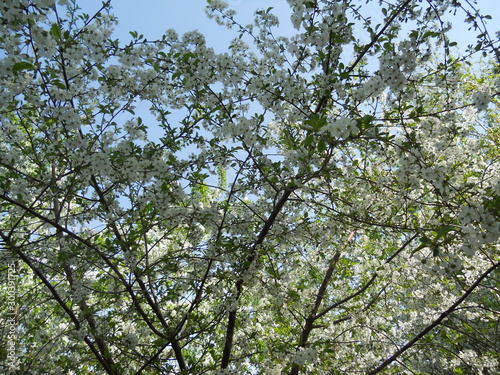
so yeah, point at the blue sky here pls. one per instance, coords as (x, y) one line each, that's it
(153, 17)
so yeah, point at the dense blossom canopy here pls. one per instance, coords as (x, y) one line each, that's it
(325, 202)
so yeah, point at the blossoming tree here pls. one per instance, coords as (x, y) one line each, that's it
(319, 203)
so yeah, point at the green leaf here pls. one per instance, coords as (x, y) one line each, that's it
(55, 30)
(431, 34)
(366, 121)
(309, 139)
(316, 121)
(443, 232)
(321, 146)
(23, 65)
(58, 83)
(424, 242)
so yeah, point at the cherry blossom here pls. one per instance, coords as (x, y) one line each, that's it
(315, 203)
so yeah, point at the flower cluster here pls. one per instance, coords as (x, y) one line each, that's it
(305, 355)
(481, 99)
(340, 128)
(295, 203)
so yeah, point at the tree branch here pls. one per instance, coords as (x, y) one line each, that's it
(436, 322)
(365, 50)
(107, 365)
(309, 325)
(228, 344)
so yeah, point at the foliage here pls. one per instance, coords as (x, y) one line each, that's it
(322, 203)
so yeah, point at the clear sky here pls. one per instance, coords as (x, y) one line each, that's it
(152, 17)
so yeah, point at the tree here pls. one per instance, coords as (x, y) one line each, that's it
(322, 203)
